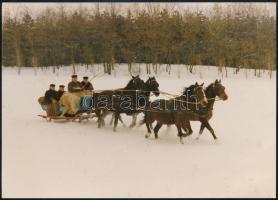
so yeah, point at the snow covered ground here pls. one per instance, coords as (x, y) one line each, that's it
(54, 159)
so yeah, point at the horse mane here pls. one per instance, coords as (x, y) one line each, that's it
(131, 86)
(209, 87)
(209, 90)
(186, 89)
(128, 85)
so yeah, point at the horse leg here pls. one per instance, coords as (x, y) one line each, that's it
(180, 134)
(112, 119)
(134, 118)
(151, 126)
(116, 121)
(207, 125)
(186, 126)
(156, 129)
(121, 120)
(99, 120)
(103, 115)
(179, 124)
(202, 127)
(148, 122)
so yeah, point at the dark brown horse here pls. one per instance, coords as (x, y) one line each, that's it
(149, 86)
(140, 100)
(165, 111)
(215, 89)
(130, 100)
(102, 101)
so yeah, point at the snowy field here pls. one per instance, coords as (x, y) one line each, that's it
(55, 159)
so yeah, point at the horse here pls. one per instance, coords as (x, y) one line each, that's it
(107, 97)
(150, 86)
(215, 89)
(137, 97)
(148, 89)
(166, 111)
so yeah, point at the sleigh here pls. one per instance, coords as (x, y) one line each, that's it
(85, 112)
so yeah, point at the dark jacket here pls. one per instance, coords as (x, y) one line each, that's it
(59, 94)
(49, 94)
(74, 86)
(87, 86)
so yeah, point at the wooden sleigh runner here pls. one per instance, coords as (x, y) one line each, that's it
(78, 118)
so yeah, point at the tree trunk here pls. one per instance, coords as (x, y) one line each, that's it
(109, 67)
(73, 68)
(270, 73)
(129, 67)
(179, 72)
(148, 68)
(246, 73)
(105, 68)
(140, 69)
(17, 53)
(191, 69)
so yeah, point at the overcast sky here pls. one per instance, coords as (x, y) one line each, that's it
(35, 8)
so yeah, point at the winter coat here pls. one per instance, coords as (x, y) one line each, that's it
(50, 94)
(87, 86)
(59, 94)
(74, 86)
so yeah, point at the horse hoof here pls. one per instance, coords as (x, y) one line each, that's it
(147, 135)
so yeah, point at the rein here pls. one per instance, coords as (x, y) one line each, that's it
(161, 92)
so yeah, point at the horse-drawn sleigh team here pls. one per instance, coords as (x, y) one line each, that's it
(83, 102)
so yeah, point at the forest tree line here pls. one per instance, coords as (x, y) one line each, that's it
(54, 37)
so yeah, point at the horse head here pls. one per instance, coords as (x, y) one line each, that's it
(152, 85)
(135, 83)
(219, 90)
(198, 91)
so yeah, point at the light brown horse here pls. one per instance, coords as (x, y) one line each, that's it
(165, 111)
